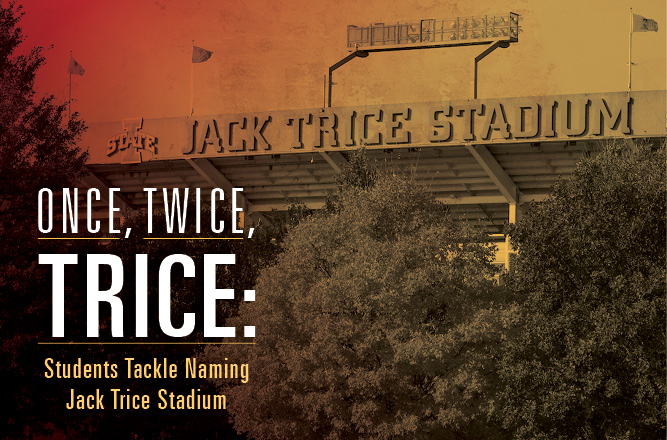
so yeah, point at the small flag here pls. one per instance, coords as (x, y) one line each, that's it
(75, 68)
(200, 55)
(641, 24)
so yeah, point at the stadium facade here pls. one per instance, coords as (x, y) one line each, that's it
(485, 158)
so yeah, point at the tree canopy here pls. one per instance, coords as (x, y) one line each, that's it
(380, 320)
(375, 322)
(588, 359)
(36, 151)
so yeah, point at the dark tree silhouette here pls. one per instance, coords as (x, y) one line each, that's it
(379, 320)
(36, 151)
(588, 360)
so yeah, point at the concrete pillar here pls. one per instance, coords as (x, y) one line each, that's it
(514, 216)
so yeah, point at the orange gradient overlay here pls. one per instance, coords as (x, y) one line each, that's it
(270, 55)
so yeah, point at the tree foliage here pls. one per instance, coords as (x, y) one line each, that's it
(588, 360)
(36, 143)
(36, 151)
(376, 321)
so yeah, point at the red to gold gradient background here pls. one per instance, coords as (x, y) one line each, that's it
(270, 55)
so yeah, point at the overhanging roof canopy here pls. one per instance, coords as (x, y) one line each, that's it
(476, 156)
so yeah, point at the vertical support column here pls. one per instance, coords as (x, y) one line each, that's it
(514, 216)
(246, 208)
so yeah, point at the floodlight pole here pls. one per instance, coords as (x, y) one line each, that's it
(398, 37)
(350, 57)
(630, 53)
(493, 45)
(496, 44)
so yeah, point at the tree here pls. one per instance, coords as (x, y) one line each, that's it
(588, 360)
(36, 151)
(375, 322)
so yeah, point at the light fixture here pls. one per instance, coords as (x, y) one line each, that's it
(434, 32)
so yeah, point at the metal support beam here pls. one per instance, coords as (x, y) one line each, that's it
(465, 200)
(472, 200)
(514, 212)
(335, 159)
(495, 45)
(269, 206)
(93, 181)
(524, 198)
(514, 216)
(499, 176)
(211, 174)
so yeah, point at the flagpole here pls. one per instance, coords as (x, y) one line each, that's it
(69, 100)
(69, 97)
(192, 82)
(630, 55)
